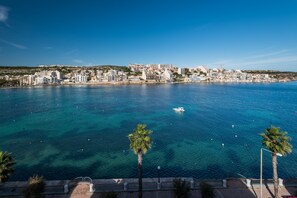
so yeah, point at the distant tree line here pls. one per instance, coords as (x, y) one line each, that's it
(269, 72)
(275, 74)
(9, 83)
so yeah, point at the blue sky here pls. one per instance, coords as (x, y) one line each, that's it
(235, 34)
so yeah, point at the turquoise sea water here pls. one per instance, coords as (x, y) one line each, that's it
(65, 132)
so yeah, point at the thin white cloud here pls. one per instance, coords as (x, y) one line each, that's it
(280, 52)
(4, 14)
(221, 62)
(71, 52)
(274, 58)
(78, 61)
(89, 64)
(82, 62)
(13, 44)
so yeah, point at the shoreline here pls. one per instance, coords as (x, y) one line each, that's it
(155, 179)
(137, 83)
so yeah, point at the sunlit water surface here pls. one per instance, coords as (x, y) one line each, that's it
(65, 132)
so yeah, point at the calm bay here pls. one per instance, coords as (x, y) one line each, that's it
(68, 131)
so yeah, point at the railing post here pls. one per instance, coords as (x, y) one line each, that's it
(192, 184)
(224, 183)
(125, 186)
(158, 185)
(66, 189)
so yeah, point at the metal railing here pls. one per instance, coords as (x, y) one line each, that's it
(122, 185)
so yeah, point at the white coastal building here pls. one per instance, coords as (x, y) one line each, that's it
(81, 78)
(112, 75)
(181, 71)
(143, 76)
(27, 80)
(203, 69)
(167, 75)
(40, 80)
(47, 77)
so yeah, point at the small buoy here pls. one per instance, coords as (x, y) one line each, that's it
(235, 135)
(223, 144)
(89, 139)
(232, 125)
(211, 139)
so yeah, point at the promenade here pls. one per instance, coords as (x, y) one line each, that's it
(85, 187)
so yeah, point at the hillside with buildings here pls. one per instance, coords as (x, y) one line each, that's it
(131, 74)
(280, 75)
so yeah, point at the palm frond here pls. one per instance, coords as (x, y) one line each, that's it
(6, 165)
(276, 141)
(140, 140)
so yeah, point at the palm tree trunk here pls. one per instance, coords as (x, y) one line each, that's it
(139, 174)
(275, 176)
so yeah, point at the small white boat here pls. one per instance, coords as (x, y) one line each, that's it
(179, 109)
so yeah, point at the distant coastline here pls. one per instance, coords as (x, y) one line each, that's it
(134, 74)
(131, 84)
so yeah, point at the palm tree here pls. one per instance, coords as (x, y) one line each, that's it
(35, 187)
(276, 142)
(6, 166)
(140, 142)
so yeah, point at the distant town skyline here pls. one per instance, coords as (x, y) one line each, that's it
(258, 35)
